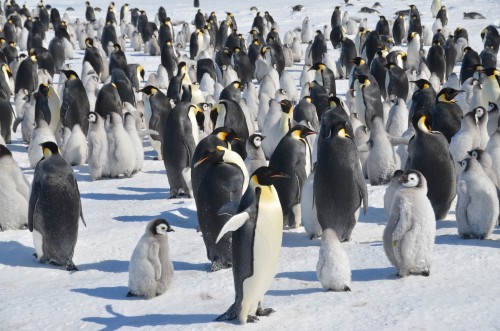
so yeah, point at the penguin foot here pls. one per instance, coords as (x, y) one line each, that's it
(155, 158)
(71, 267)
(264, 311)
(252, 319)
(401, 275)
(218, 265)
(425, 273)
(229, 315)
(347, 289)
(35, 255)
(131, 294)
(466, 236)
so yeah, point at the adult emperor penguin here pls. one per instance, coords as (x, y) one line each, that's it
(121, 154)
(14, 193)
(93, 56)
(491, 85)
(398, 30)
(108, 101)
(75, 106)
(396, 82)
(333, 268)
(292, 157)
(325, 77)
(436, 60)
(117, 59)
(225, 180)
(368, 99)
(413, 50)
(169, 58)
(477, 205)
(255, 154)
(97, 147)
(179, 141)
(27, 75)
(54, 209)
(446, 113)
(229, 113)
(411, 229)
(150, 271)
(428, 153)
(339, 184)
(89, 12)
(157, 108)
(470, 59)
(6, 116)
(257, 235)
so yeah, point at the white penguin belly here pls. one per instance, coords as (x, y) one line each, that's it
(38, 242)
(194, 128)
(266, 250)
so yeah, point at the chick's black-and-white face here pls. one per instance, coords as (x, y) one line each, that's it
(411, 180)
(257, 141)
(463, 165)
(92, 118)
(162, 229)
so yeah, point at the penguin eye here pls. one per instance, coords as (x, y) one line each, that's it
(474, 154)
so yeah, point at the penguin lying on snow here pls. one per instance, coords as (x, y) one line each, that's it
(150, 270)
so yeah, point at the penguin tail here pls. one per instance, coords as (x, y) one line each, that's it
(229, 315)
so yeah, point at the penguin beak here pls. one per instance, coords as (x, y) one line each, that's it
(169, 229)
(403, 179)
(262, 137)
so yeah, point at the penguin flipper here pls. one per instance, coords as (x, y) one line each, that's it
(233, 224)
(35, 194)
(360, 181)
(230, 208)
(398, 140)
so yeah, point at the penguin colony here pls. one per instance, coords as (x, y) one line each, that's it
(257, 154)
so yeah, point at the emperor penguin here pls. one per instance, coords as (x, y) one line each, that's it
(411, 229)
(333, 268)
(292, 157)
(75, 106)
(14, 193)
(486, 162)
(75, 151)
(446, 113)
(130, 127)
(150, 271)
(308, 209)
(277, 128)
(493, 118)
(491, 86)
(54, 209)
(229, 113)
(413, 50)
(466, 139)
(97, 147)
(179, 141)
(435, 6)
(255, 155)
(257, 227)
(121, 153)
(41, 133)
(477, 205)
(339, 184)
(428, 153)
(224, 182)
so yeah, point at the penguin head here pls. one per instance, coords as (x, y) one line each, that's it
(93, 117)
(492, 106)
(237, 85)
(422, 84)
(334, 101)
(265, 176)
(362, 80)
(256, 140)
(300, 132)
(215, 155)
(382, 18)
(87, 3)
(159, 227)
(117, 47)
(49, 148)
(44, 89)
(182, 68)
(491, 72)
(263, 51)
(422, 122)
(358, 61)
(479, 112)
(476, 153)
(140, 71)
(412, 178)
(149, 90)
(447, 95)
(412, 36)
(318, 66)
(286, 106)
(465, 164)
(70, 74)
(225, 133)
(4, 151)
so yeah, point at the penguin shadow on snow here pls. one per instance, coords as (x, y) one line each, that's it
(17, 148)
(454, 239)
(82, 173)
(114, 266)
(181, 217)
(309, 276)
(116, 196)
(373, 274)
(117, 320)
(109, 293)
(299, 291)
(374, 215)
(15, 254)
(187, 266)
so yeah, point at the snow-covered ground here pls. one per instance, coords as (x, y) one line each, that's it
(462, 292)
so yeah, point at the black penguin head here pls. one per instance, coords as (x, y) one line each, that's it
(492, 106)
(465, 164)
(382, 18)
(358, 61)
(412, 36)
(226, 134)
(70, 74)
(160, 227)
(447, 94)
(491, 72)
(212, 156)
(117, 47)
(412, 178)
(300, 132)
(421, 122)
(265, 176)
(363, 80)
(479, 112)
(422, 84)
(49, 148)
(44, 89)
(286, 106)
(149, 90)
(256, 140)
(140, 71)
(476, 153)
(89, 42)
(92, 117)
(4, 151)
(317, 66)
(334, 101)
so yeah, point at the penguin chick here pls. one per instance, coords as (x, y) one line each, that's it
(255, 155)
(333, 268)
(411, 229)
(150, 270)
(40, 134)
(135, 140)
(121, 154)
(97, 147)
(477, 205)
(75, 151)
(13, 193)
